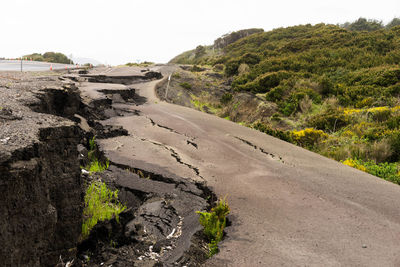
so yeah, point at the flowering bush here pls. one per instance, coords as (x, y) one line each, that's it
(387, 171)
(308, 137)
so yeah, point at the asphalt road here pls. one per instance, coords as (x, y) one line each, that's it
(289, 206)
(15, 65)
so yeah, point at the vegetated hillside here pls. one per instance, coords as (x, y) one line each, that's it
(50, 57)
(201, 54)
(332, 89)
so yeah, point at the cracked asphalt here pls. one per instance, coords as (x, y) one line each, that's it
(289, 206)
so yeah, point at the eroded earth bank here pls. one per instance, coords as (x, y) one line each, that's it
(47, 120)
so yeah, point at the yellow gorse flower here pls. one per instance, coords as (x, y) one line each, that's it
(354, 164)
(350, 111)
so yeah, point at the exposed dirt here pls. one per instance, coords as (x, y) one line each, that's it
(185, 85)
(210, 92)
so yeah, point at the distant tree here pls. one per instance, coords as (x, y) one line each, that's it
(56, 57)
(50, 57)
(393, 23)
(227, 39)
(35, 57)
(362, 24)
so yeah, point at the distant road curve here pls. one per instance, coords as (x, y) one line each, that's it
(15, 65)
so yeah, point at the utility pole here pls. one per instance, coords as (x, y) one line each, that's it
(21, 64)
(166, 91)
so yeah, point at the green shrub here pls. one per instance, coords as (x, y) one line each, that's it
(176, 75)
(218, 67)
(276, 94)
(393, 123)
(394, 140)
(214, 223)
(283, 135)
(394, 90)
(92, 148)
(387, 171)
(226, 98)
(381, 115)
(250, 59)
(326, 85)
(366, 102)
(101, 204)
(231, 67)
(308, 137)
(264, 83)
(331, 120)
(270, 80)
(199, 51)
(186, 85)
(196, 68)
(94, 164)
(288, 108)
(276, 117)
(363, 24)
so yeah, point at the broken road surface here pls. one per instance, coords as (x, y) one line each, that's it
(289, 206)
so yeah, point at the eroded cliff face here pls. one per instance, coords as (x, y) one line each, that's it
(40, 181)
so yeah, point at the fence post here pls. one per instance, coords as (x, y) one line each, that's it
(166, 92)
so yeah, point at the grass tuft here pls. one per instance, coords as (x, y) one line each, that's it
(94, 164)
(214, 223)
(101, 203)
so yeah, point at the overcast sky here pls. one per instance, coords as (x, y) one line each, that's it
(120, 31)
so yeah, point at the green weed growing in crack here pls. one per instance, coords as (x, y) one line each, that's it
(214, 223)
(94, 164)
(101, 203)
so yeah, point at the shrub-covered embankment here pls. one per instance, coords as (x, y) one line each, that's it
(331, 89)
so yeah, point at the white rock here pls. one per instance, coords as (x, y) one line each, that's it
(4, 141)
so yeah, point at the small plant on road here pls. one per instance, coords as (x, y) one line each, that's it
(214, 223)
(101, 203)
(94, 164)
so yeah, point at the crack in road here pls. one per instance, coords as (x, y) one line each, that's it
(270, 155)
(189, 142)
(183, 185)
(176, 156)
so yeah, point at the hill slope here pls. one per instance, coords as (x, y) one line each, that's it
(335, 91)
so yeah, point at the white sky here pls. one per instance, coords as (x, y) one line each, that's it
(120, 31)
